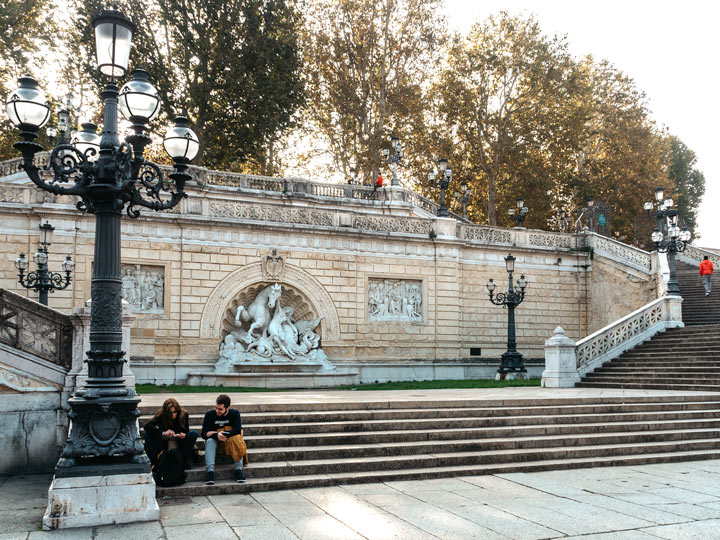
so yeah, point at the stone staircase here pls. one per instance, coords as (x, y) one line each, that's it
(321, 444)
(680, 359)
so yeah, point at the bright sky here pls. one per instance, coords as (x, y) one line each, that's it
(669, 48)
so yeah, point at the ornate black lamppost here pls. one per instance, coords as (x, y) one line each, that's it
(511, 360)
(444, 182)
(109, 176)
(518, 215)
(397, 154)
(42, 280)
(463, 197)
(563, 223)
(668, 237)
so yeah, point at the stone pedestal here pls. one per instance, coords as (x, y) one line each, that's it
(87, 501)
(560, 362)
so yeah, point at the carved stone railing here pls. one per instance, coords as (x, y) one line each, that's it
(616, 338)
(616, 250)
(487, 235)
(557, 240)
(693, 255)
(35, 329)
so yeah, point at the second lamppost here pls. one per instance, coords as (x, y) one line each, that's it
(518, 215)
(511, 361)
(668, 237)
(42, 280)
(445, 176)
(394, 159)
(463, 197)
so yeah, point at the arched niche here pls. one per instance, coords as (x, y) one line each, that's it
(300, 289)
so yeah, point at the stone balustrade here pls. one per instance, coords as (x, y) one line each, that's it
(627, 332)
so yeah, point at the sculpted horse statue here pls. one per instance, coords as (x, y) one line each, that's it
(260, 311)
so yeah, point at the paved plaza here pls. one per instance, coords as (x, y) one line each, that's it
(674, 501)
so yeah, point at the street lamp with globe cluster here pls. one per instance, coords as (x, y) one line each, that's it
(398, 153)
(445, 176)
(518, 215)
(668, 236)
(511, 361)
(42, 280)
(109, 176)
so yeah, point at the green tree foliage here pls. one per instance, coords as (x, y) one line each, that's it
(232, 65)
(366, 62)
(688, 183)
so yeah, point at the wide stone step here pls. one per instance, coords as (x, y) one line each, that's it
(652, 374)
(258, 443)
(298, 482)
(491, 442)
(649, 386)
(659, 368)
(466, 422)
(316, 403)
(393, 414)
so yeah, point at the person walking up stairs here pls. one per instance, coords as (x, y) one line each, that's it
(706, 271)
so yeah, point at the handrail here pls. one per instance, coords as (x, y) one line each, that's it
(615, 249)
(28, 326)
(627, 332)
(694, 255)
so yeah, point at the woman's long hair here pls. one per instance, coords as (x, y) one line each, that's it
(164, 419)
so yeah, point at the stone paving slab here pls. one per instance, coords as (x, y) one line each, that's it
(675, 501)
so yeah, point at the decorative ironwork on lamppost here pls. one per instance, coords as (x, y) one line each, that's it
(445, 176)
(42, 280)
(109, 176)
(518, 214)
(511, 361)
(398, 152)
(668, 237)
(463, 197)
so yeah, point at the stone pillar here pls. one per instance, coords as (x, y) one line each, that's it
(560, 362)
(446, 227)
(672, 312)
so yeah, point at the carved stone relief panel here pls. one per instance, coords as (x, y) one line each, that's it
(395, 300)
(143, 287)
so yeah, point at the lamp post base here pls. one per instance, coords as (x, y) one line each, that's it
(512, 366)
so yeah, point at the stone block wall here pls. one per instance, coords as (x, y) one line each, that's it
(207, 260)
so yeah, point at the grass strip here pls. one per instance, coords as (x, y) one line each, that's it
(400, 385)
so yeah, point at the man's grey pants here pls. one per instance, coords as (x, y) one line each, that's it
(706, 282)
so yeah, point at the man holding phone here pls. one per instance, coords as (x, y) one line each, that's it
(222, 427)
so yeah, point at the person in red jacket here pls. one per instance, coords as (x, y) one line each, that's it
(706, 270)
(378, 183)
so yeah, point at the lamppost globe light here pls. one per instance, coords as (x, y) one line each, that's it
(113, 40)
(87, 139)
(685, 235)
(657, 236)
(46, 233)
(68, 264)
(648, 206)
(510, 263)
(138, 99)
(490, 285)
(385, 152)
(40, 257)
(673, 231)
(442, 164)
(522, 282)
(51, 132)
(180, 142)
(520, 202)
(432, 176)
(21, 263)
(448, 173)
(511, 211)
(27, 107)
(395, 142)
(659, 194)
(668, 203)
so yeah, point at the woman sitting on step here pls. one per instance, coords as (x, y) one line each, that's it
(169, 429)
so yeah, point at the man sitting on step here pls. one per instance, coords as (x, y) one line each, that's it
(222, 427)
